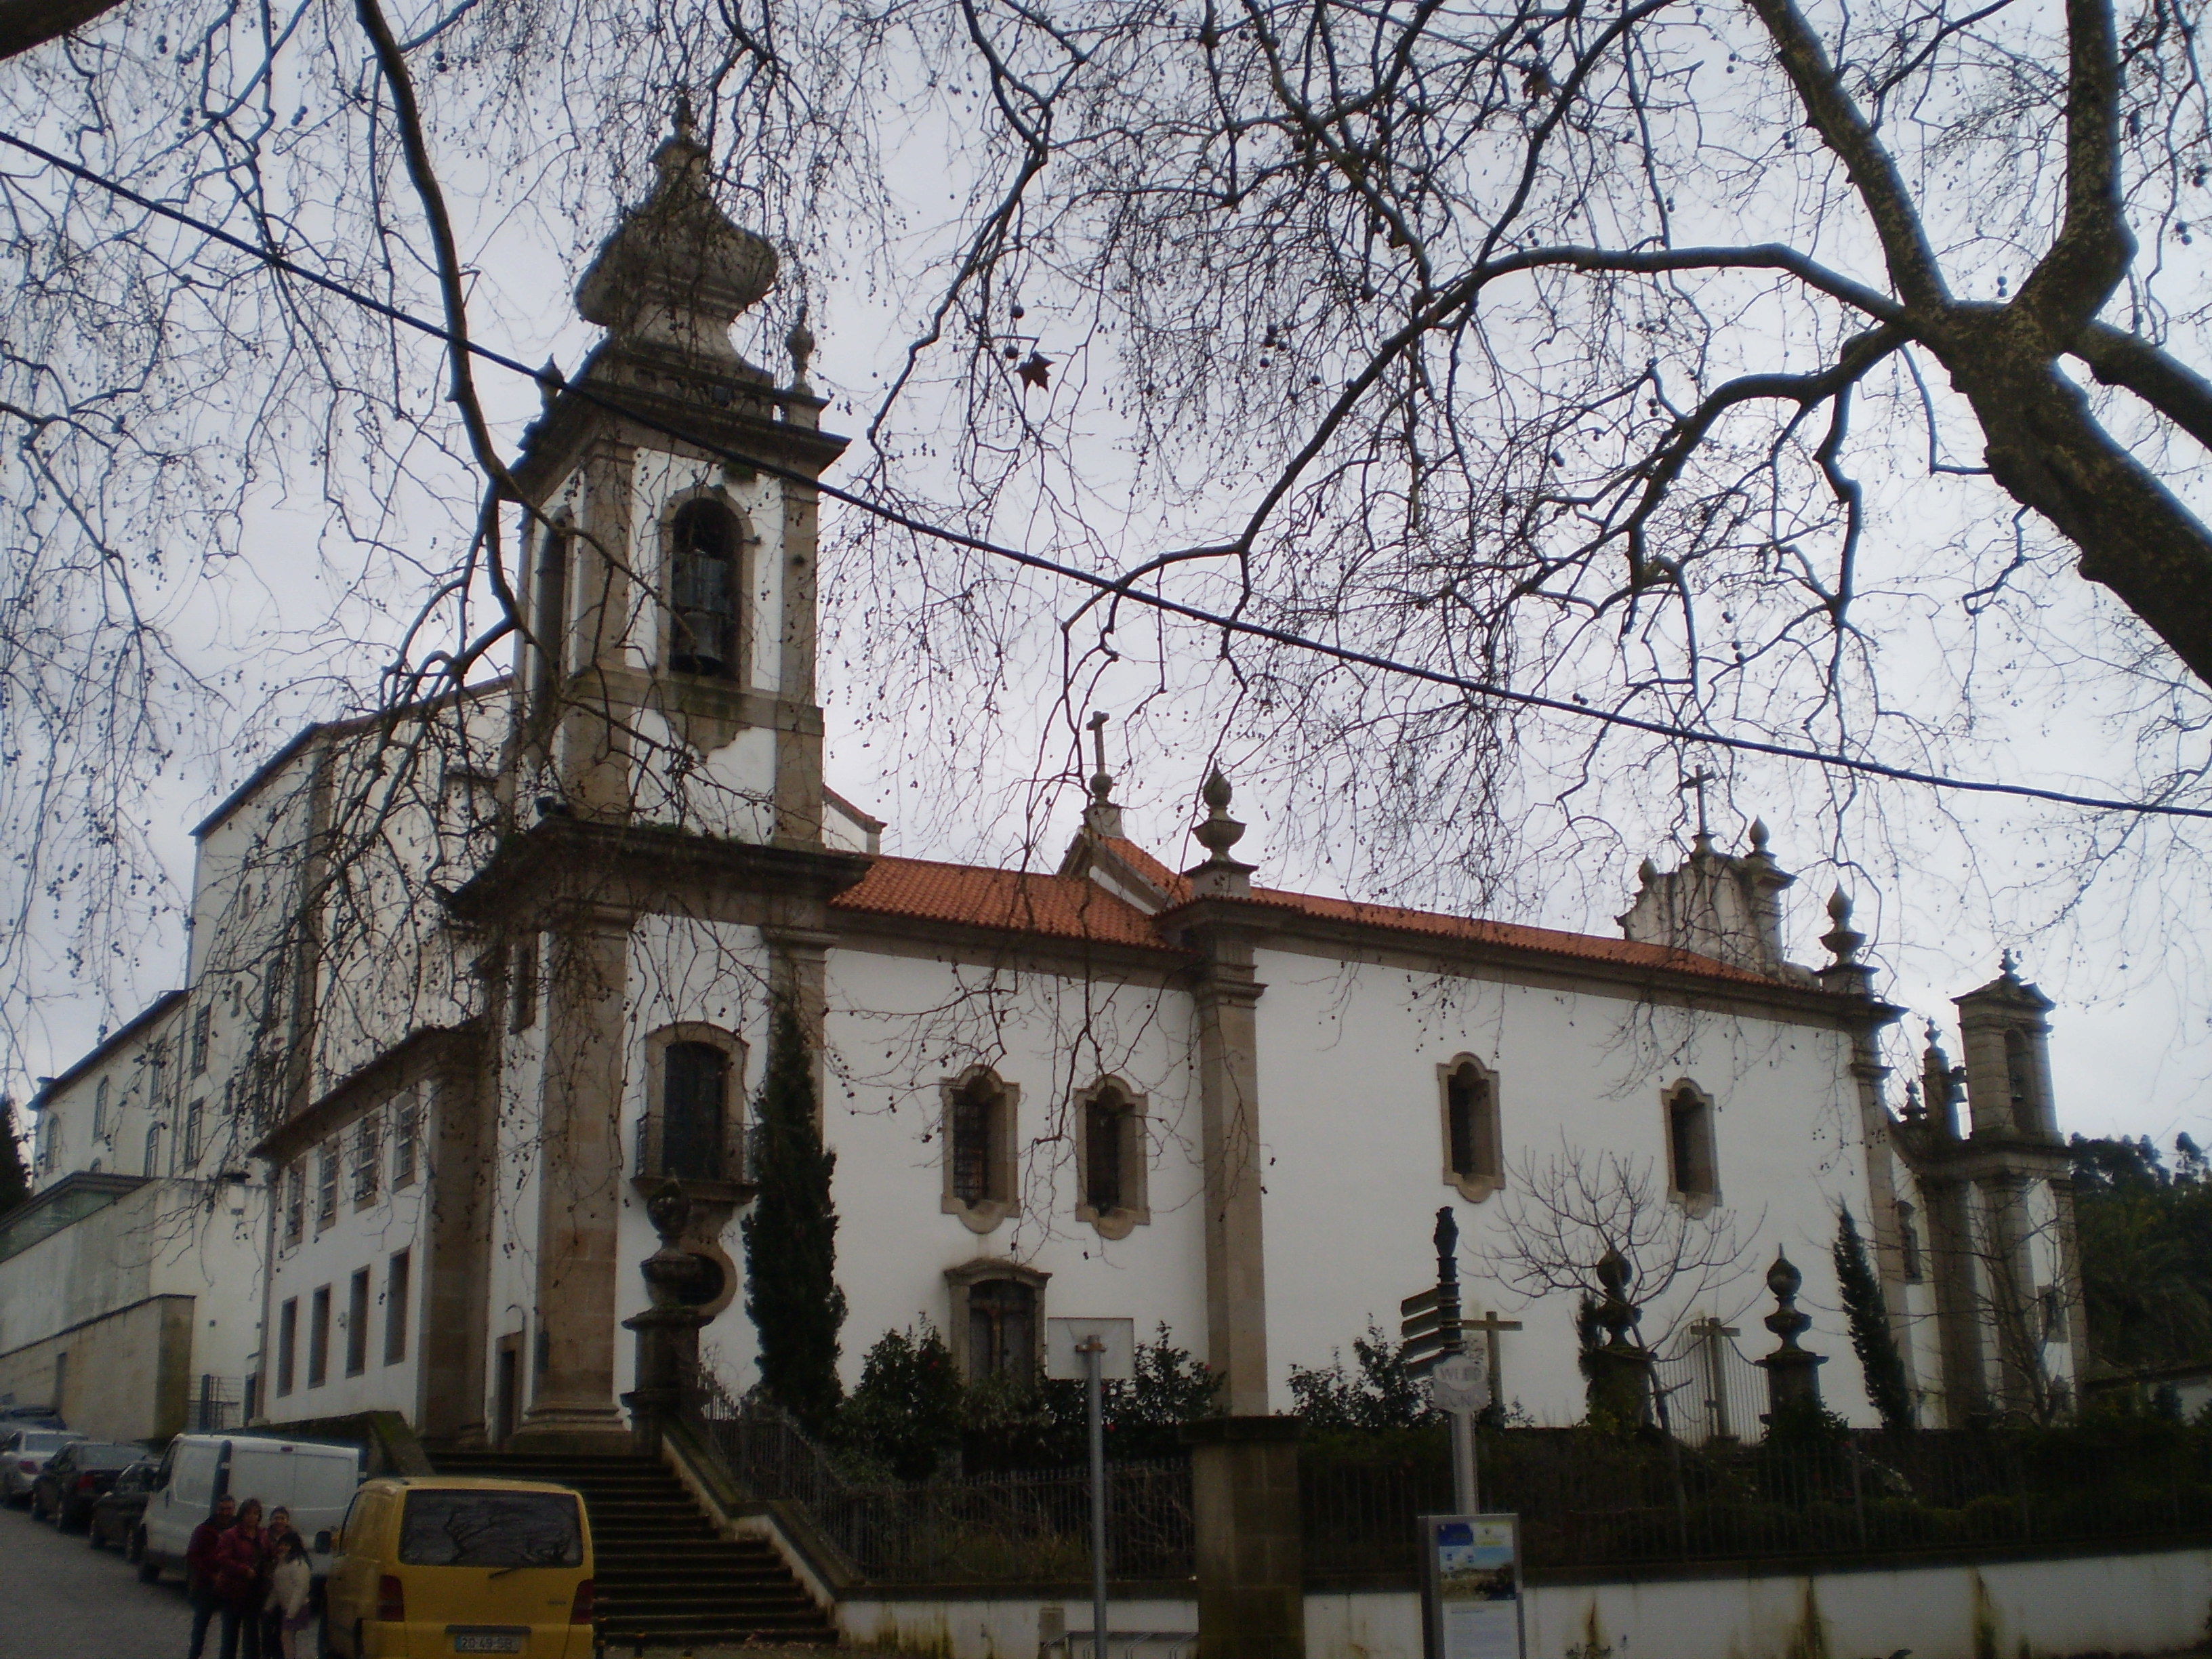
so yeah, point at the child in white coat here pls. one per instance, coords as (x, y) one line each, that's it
(291, 1582)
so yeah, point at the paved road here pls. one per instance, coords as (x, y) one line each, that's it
(64, 1600)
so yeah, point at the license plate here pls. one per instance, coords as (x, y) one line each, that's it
(488, 1641)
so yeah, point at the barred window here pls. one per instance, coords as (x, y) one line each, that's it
(295, 1203)
(368, 1155)
(694, 1094)
(406, 1129)
(327, 1185)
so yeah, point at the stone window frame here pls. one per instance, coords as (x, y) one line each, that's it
(1697, 1201)
(1911, 1257)
(963, 1278)
(287, 1344)
(1002, 1200)
(1480, 1184)
(646, 1149)
(739, 674)
(1134, 1210)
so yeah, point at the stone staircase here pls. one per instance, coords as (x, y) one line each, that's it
(665, 1578)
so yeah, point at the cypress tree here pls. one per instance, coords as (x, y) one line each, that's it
(1872, 1340)
(791, 1237)
(15, 1174)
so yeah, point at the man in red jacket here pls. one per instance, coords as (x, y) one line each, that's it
(199, 1569)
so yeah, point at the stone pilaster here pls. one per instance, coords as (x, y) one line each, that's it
(592, 767)
(580, 1188)
(1225, 996)
(1251, 1580)
(461, 1169)
(1951, 1262)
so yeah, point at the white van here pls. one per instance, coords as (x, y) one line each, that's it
(313, 1479)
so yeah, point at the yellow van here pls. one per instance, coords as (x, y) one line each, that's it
(430, 1566)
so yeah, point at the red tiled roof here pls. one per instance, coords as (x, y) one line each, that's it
(1017, 901)
(1075, 907)
(1591, 947)
(1173, 887)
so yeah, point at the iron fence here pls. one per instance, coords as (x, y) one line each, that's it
(214, 1405)
(1000, 1529)
(1584, 1502)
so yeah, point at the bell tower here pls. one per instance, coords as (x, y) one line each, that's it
(668, 589)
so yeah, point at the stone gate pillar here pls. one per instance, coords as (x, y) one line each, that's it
(1251, 1556)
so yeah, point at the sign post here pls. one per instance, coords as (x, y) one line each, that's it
(1459, 1386)
(1471, 1587)
(1094, 1352)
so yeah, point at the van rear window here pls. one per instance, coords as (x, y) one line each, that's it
(490, 1529)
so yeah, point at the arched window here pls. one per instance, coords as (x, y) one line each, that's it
(153, 1150)
(1110, 1165)
(692, 1127)
(1103, 1122)
(702, 590)
(695, 1090)
(978, 1131)
(1908, 1241)
(1474, 1154)
(1691, 1168)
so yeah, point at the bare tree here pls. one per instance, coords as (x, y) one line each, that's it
(1702, 364)
(1563, 1214)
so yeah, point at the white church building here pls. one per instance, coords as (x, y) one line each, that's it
(474, 979)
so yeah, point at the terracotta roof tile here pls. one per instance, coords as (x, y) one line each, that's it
(1018, 900)
(1037, 903)
(1593, 947)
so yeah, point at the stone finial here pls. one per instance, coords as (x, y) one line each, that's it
(1792, 1373)
(1220, 832)
(1616, 1314)
(1102, 815)
(1647, 872)
(1842, 940)
(2009, 964)
(1220, 874)
(799, 342)
(1783, 1281)
(677, 272)
(1759, 837)
(1916, 1109)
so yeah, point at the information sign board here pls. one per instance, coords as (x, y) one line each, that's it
(1471, 1586)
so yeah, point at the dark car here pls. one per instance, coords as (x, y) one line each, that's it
(75, 1476)
(114, 1518)
(24, 1453)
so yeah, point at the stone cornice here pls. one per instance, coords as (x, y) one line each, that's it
(1264, 923)
(665, 393)
(561, 865)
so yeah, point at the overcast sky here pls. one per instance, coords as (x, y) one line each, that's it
(1944, 884)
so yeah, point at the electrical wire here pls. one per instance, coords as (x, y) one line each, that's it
(1119, 587)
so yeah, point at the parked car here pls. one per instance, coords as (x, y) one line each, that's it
(74, 1477)
(313, 1479)
(114, 1518)
(24, 1453)
(30, 1416)
(443, 1565)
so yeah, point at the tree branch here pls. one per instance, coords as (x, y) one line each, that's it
(1836, 118)
(2174, 389)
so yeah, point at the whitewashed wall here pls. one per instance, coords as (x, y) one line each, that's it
(1349, 1110)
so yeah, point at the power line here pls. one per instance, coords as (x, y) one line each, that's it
(1117, 586)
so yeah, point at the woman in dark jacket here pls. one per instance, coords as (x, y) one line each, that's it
(239, 1572)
